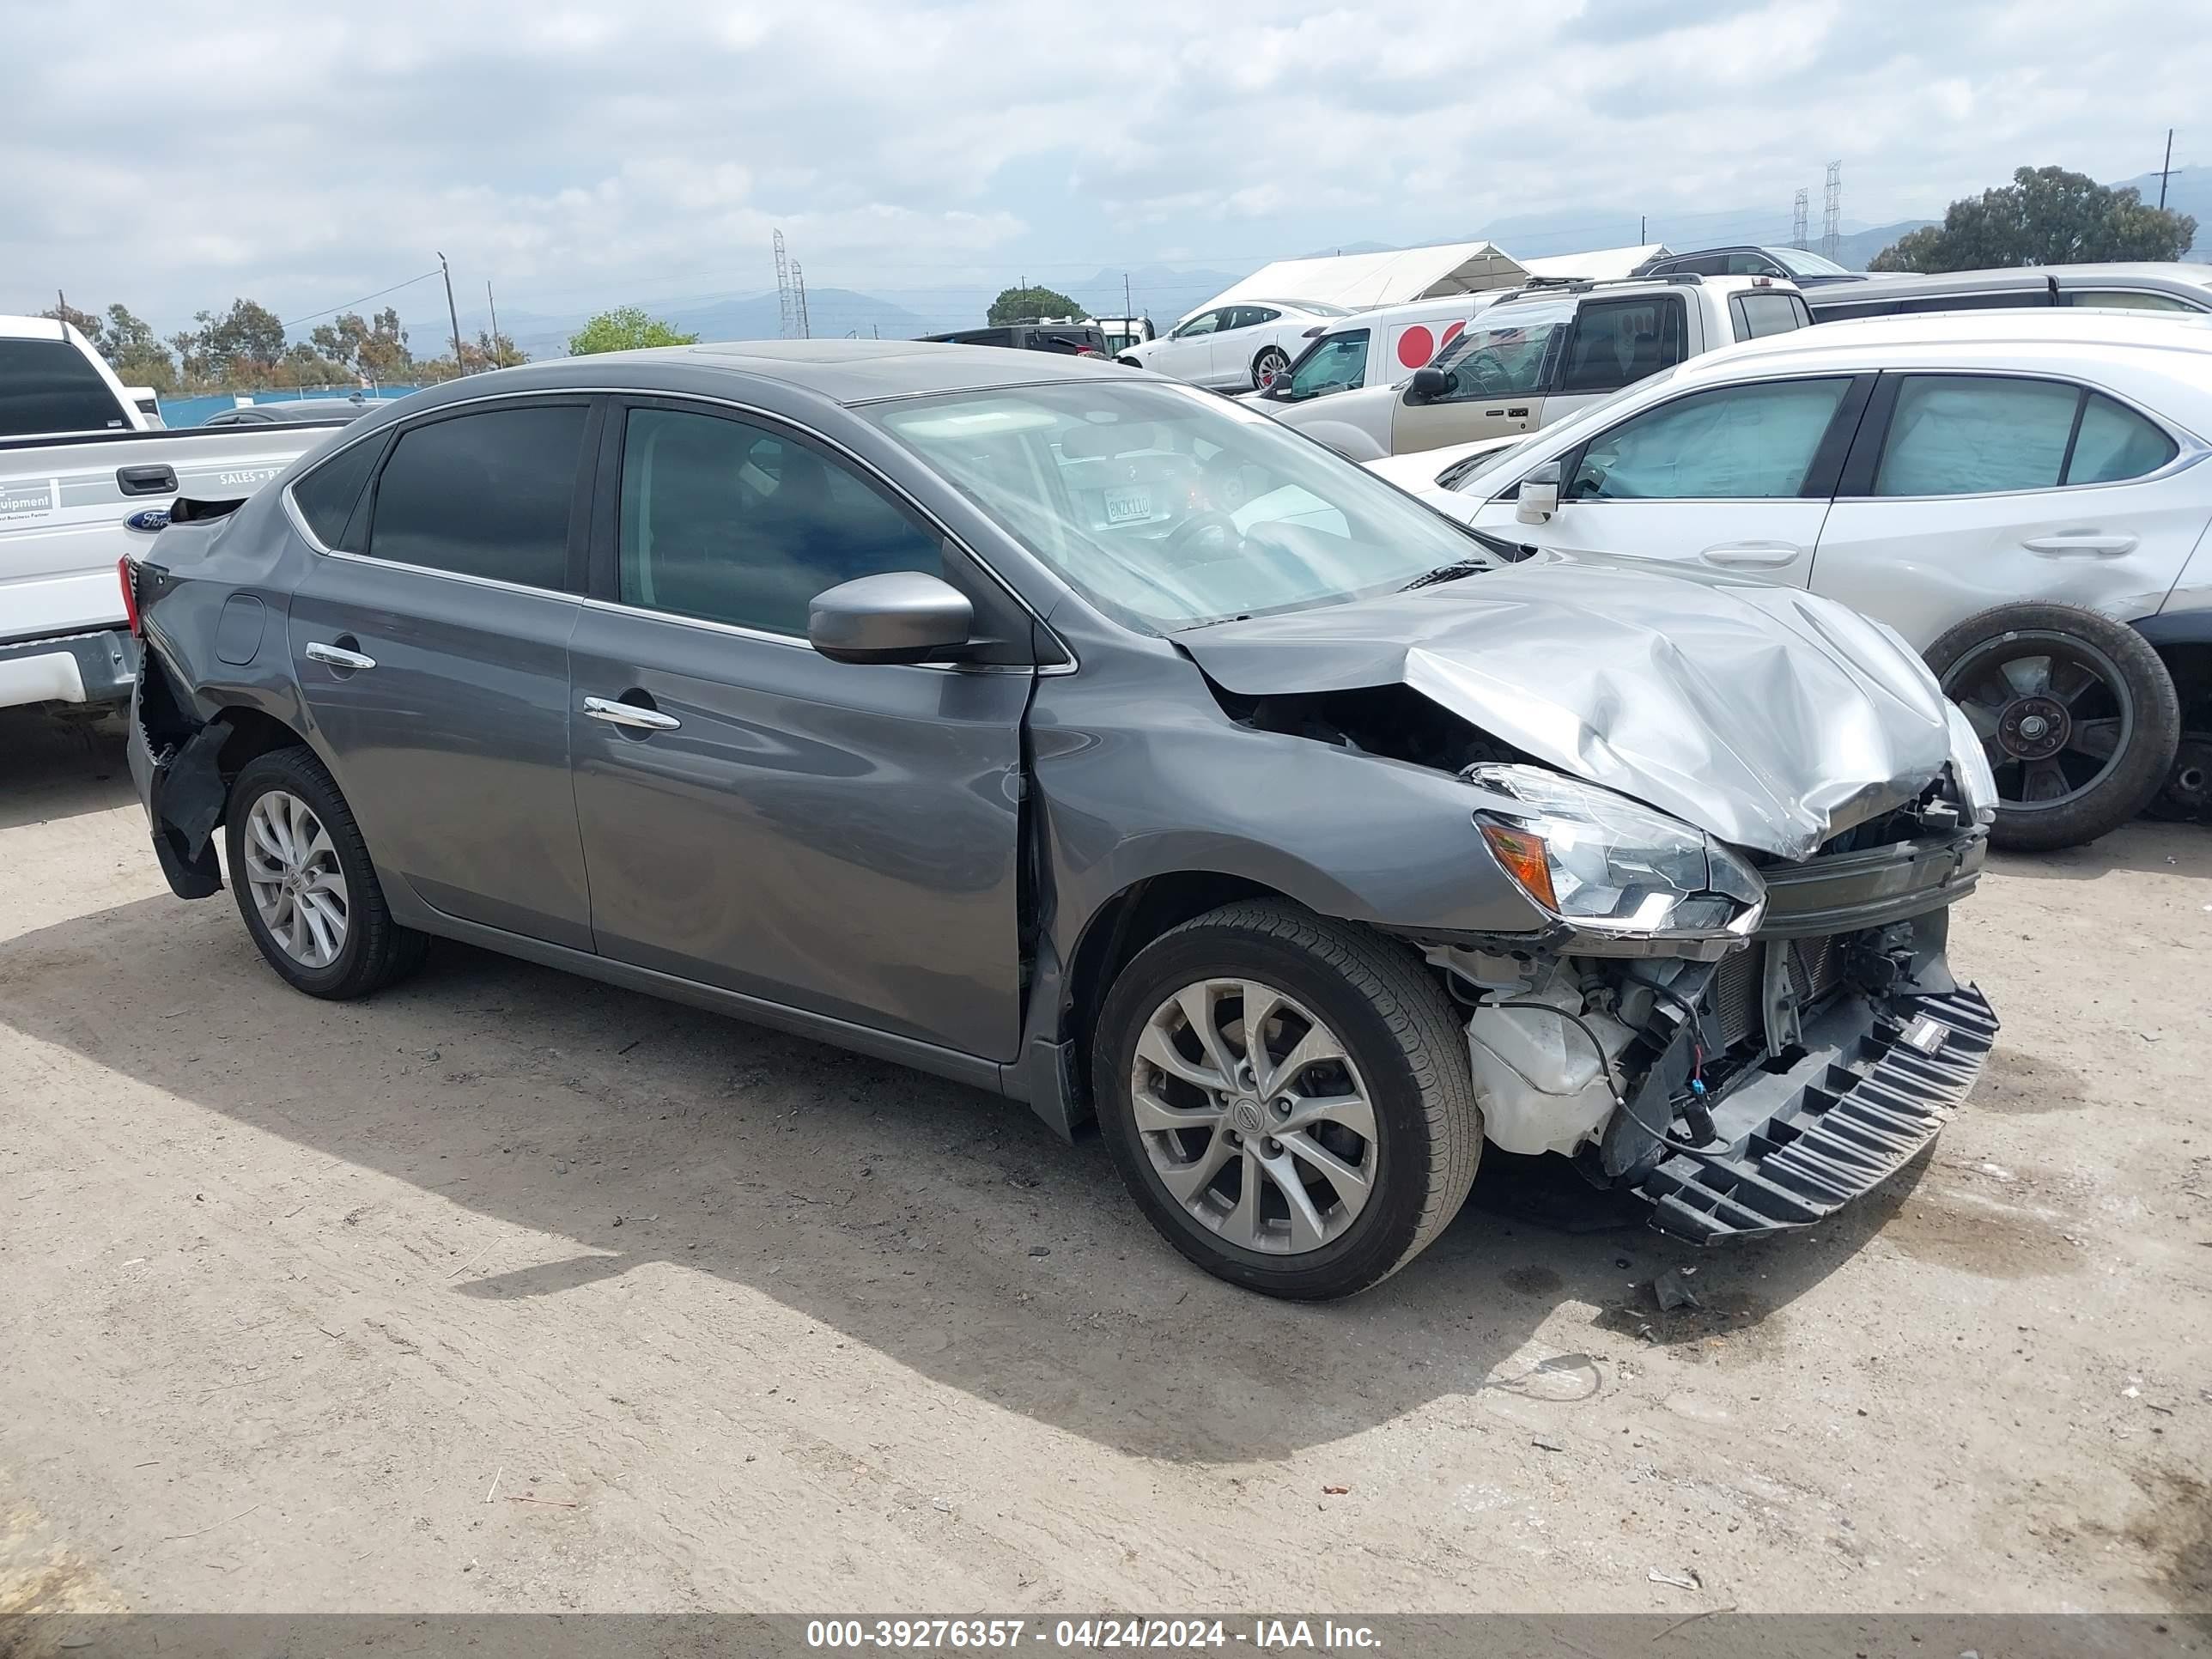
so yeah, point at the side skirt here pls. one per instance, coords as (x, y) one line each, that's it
(976, 1072)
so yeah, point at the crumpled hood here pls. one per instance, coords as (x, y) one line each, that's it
(1769, 717)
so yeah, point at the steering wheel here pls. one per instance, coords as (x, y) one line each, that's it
(1183, 539)
(1488, 372)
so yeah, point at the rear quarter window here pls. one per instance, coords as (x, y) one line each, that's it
(327, 494)
(47, 385)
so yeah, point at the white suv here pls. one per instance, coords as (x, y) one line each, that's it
(2023, 495)
(1544, 351)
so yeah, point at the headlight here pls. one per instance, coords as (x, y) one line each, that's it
(1612, 865)
(1970, 765)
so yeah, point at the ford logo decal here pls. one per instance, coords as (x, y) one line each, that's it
(149, 521)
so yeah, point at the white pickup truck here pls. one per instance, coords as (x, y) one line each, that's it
(85, 477)
(1541, 352)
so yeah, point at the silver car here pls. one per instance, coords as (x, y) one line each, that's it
(1098, 743)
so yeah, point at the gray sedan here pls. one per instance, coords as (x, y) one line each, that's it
(1099, 743)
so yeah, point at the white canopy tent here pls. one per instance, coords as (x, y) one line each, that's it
(1601, 265)
(1358, 281)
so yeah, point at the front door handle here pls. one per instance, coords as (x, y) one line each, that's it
(1753, 555)
(2080, 544)
(336, 656)
(629, 714)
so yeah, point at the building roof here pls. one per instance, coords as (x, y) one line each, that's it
(1361, 280)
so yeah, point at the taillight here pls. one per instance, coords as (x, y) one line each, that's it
(127, 574)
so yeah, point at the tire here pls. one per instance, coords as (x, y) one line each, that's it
(2121, 696)
(373, 950)
(1403, 1050)
(1271, 363)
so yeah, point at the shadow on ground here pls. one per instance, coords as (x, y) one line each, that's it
(945, 1228)
(59, 762)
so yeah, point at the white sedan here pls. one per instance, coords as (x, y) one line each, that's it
(1244, 347)
(2022, 495)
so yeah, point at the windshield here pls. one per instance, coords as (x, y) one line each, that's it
(1334, 362)
(1798, 263)
(1480, 472)
(1169, 508)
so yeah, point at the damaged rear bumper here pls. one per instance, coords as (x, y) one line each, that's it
(1795, 1146)
(180, 785)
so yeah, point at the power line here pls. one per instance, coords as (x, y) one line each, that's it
(295, 322)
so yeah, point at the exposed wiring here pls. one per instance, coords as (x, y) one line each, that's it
(1612, 1085)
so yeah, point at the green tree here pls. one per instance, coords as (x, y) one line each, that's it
(2045, 217)
(137, 354)
(626, 328)
(1022, 305)
(83, 321)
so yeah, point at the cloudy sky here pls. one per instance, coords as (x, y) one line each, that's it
(590, 153)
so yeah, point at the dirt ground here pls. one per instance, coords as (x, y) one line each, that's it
(506, 1290)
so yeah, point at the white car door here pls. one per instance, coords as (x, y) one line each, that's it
(1188, 352)
(1233, 345)
(1970, 490)
(1735, 478)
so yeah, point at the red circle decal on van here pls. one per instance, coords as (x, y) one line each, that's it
(1451, 334)
(1416, 346)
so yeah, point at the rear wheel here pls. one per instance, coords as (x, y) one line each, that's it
(305, 886)
(1269, 366)
(2075, 712)
(1287, 1099)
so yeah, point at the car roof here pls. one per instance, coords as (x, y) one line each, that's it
(847, 371)
(1928, 334)
(1882, 282)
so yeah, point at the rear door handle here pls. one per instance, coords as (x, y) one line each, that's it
(148, 480)
(629, 714)
(2080, 544)
(336, 656)
(1753, 555)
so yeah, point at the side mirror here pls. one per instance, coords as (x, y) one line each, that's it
(901, 616)
(1427, 384)
(1540, 495)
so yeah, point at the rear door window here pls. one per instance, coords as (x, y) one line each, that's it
(47, 386)
(1972, 434)
(1617, 342)
(487, 494)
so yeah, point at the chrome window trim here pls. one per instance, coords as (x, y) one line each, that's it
(860, 463)
(2188, 448)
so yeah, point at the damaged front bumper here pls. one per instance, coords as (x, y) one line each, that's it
(1756, 1093)
(1875, 1081)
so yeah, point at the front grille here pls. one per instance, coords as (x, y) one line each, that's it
(1736, 1002)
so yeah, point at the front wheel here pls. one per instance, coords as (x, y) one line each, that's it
(2078, 716)
(1269, 366)
(1287, 1099)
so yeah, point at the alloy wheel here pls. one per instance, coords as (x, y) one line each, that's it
(293, 874)
(1253, 1117)
(2054, 715)
(1270, 367)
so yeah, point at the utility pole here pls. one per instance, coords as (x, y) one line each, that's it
(1831, 212)
(494, 304)
(2165, 170)
(1642, 223)
(1128, 310)
(1797, 209)
(452, 315)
